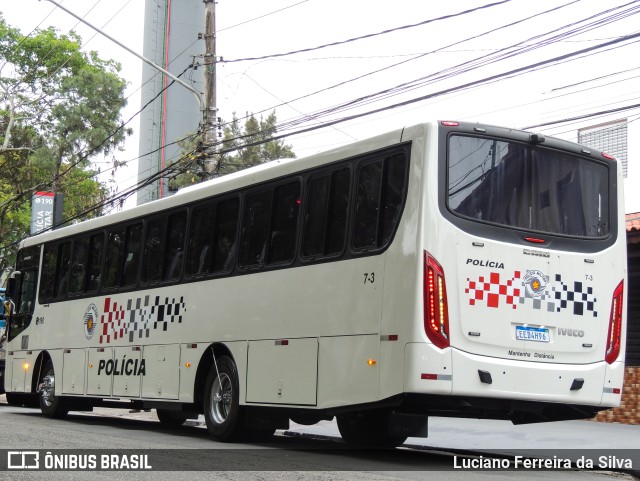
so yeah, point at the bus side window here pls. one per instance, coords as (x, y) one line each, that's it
(255, 229)
(48, 278)
(79, 266)
(380, 195)
(132, 257)
(284, 226)
(394, 188)
(225, 235)
(327, 209)
(63, 271)
(154, 250)
(338, 212)
(315, 216)
(174, 249)
(199, 241)
(367, 204)
(94, 263)
(115, 257)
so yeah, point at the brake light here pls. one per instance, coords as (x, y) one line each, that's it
(614, 336)
(436, 313)
(448, 123)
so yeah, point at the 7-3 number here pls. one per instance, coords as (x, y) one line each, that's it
(369, 277)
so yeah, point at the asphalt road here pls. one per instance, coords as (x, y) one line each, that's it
(191, 455)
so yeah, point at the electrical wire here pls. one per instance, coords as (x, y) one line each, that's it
(370, 35)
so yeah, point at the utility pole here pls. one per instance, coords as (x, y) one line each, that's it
(210, 109)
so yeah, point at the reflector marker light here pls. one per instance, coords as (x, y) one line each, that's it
(436, 377)
(611, 390)
(614, 336)
(389, 337)
(535, 240)
(436, 314)
(371, 362)
(282, 342)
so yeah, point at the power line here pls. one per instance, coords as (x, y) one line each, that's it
(473, 64)
(261, 16)
(370, 35)
(582, 117)
(421, 55)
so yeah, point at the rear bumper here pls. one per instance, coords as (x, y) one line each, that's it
(429, 370)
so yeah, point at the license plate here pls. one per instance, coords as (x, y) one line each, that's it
(537, 334)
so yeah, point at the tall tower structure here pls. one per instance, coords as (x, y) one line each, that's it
(171, 30)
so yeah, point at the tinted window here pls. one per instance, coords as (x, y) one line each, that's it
(367, 205)
(327, 205)
(316, 216)
(94, 276)
(48, 278)
(174, 250)
(63, 270)
(200, 239)
(255, 229)
(79, 266)
(27, 263)
(154, 250)
(528, 187)
(286, 205)
(225, 240)
(395, 173)
(132, 254)
(115, 255)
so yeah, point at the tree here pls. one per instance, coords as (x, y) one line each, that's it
(244, 154)
(239, 151)
(59, 108)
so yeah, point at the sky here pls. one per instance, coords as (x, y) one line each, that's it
(407, 64)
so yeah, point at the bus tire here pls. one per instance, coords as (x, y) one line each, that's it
(52, 406)
(222, 411)
(368, 428)
(172, 419)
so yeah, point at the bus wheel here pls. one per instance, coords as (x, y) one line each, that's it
(171, 419)
(51, 405)
(369, 428)
(222, 410)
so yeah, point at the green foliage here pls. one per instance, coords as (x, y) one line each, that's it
(59, 107)
(237, 141)
(240, 139)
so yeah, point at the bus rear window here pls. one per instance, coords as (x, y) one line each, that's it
(527, 187)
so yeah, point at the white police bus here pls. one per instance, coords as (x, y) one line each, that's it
(448, 269)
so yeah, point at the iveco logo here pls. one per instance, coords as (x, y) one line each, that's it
(570, 332)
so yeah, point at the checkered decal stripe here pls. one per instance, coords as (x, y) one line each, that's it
(141, 316)
(492, 291)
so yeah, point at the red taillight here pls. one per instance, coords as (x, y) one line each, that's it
(448, 123)
(436, 314)
(614, 336)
